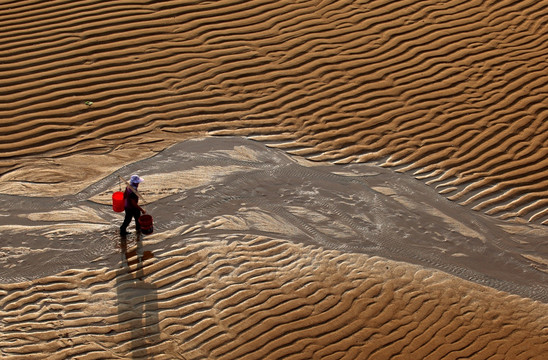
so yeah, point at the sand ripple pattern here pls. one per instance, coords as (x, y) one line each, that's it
(454, 91)
(263, 298)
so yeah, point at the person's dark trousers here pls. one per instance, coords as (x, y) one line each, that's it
(131, 213)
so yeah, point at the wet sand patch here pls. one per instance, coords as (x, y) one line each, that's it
(374, 211)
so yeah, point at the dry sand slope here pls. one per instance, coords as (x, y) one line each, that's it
(257, 255)
(454, 90)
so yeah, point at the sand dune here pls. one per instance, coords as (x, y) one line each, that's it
(453, 91)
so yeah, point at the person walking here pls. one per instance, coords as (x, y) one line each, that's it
(131, 205)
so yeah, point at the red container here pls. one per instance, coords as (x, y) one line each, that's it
(118, 201)
(145, 221)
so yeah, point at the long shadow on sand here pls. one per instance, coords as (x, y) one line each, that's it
(137, 302)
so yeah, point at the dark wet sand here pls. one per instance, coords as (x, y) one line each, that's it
(243, 184)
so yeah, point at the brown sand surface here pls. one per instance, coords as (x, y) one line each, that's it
(257, 255)
(454, 91)
(256, 297)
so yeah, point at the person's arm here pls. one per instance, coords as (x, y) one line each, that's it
(136, 205)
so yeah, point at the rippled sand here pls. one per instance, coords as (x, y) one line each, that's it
(261, 298)
(257, 255)
(454, 91)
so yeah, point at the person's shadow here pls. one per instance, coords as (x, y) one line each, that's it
(138, 328)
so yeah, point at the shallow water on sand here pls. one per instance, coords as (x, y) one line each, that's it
(258, 255)
(226, 187)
